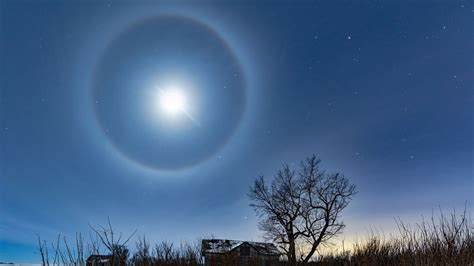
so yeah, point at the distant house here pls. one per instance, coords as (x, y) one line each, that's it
(99, 260)
(234, 252)
(104, 260)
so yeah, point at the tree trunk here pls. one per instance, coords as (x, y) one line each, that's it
(292, 250)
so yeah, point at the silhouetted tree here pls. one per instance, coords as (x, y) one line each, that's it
(65, 253)
(114, 244)
(301, 208)
(142, 256)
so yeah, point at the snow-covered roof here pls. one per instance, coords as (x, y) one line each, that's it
(219, 246)
(99, 258)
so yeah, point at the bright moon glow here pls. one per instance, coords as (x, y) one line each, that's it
(172, 102)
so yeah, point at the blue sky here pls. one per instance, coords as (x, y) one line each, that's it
(381, 92)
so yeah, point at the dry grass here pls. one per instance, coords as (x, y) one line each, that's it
(445, 240)
(442, 240)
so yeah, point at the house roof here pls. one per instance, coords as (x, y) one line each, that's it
(220, 246)
(99, 258)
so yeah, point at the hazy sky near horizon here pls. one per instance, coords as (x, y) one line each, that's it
(381, 91)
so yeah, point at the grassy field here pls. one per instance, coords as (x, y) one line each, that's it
(441, 240)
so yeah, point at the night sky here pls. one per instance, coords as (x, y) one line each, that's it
(381, 91)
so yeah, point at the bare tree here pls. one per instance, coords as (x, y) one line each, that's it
(301, 208)
(43, 251)
(113, 243)
(142, 256)
(164, 252)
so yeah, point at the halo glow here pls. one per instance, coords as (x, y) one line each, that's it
(172, 102)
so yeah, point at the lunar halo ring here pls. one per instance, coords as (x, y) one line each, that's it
(153, 44)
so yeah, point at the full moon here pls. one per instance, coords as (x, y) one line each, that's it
(172, 102)
(179, 98)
